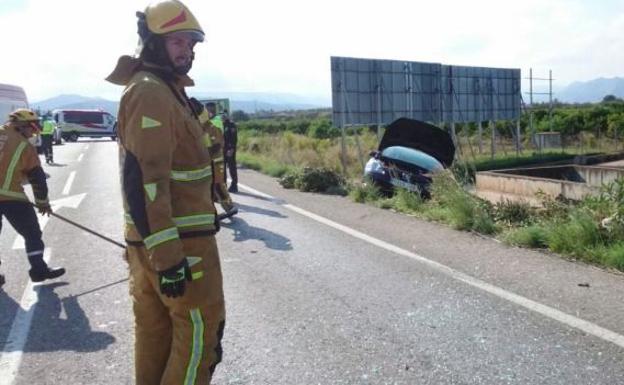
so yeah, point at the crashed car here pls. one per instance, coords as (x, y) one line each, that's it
(409, 153)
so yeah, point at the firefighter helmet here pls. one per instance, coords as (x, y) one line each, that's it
(23, 115)
(168, 16)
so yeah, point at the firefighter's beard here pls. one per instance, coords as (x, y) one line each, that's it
(183, 69)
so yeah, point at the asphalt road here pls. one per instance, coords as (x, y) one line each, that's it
(319, 290)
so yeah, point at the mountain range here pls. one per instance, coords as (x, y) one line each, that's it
(592, 91)
(247, 101)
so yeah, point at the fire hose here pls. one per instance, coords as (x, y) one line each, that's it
(88, 230)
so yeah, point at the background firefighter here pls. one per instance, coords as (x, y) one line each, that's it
(213, 125)
(230, 136)
(175, 273)
(19, 161)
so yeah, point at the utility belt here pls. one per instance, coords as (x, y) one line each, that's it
(182, 234)
(185, 235)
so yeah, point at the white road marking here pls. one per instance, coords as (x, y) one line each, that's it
(80, 157)
(16, 340)
(69, 182)
(71, 201)
(86, 147)
(547, 311)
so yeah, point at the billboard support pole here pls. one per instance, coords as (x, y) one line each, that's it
(343, 150)
(480, 127)
(493, 138)
(343, 144)
(378, 112)
(550, 101)
(518, 137)
(531, 106)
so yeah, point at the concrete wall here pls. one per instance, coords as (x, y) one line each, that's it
(597, 176)
(496, 187)
(570, 181)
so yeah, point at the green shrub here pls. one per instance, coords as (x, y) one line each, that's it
(533, 236)
(407, 201)
(323, 129)
(513, 213)
(318, 179)
(289, 180)
(315, 180)
(365, 192)
(464, 211)
(575, 235)
(614, 256)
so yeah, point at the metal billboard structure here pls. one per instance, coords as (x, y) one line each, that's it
(376, 92)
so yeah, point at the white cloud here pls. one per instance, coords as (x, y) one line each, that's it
(69, 46)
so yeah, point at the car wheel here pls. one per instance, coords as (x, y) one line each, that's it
(113, 138)
(73, 137)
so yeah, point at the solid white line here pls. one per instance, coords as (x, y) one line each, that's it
(80, 157)
(16, 340)
(69, 182)
(567, 319)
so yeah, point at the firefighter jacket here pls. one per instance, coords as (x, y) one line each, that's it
(213, 140)
(18, 162)
(166, 170)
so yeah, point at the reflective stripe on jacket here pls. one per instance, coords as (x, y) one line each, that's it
(19, 162)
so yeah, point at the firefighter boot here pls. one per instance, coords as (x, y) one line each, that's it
(230, 210)
(41, 275)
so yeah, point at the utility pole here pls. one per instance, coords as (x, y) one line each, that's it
(532, 133)
(550, 103)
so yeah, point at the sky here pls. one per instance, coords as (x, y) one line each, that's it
(70, 46)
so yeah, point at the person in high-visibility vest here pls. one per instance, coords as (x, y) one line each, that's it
(166, 172)
(19, 161)
(47, 136)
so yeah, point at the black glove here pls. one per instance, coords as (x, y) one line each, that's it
(44, 208)
(173, 280)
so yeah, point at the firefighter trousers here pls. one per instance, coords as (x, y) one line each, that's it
(21, 215)
(178, 340)
(230, 163)
(46, 143)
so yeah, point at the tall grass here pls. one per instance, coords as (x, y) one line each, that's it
(301, 151)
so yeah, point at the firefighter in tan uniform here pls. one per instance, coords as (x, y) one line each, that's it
(18, 162)
(175, 273)
(214, 140)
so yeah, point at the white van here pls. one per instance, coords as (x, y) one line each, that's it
(11, 98)
(85, 123)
